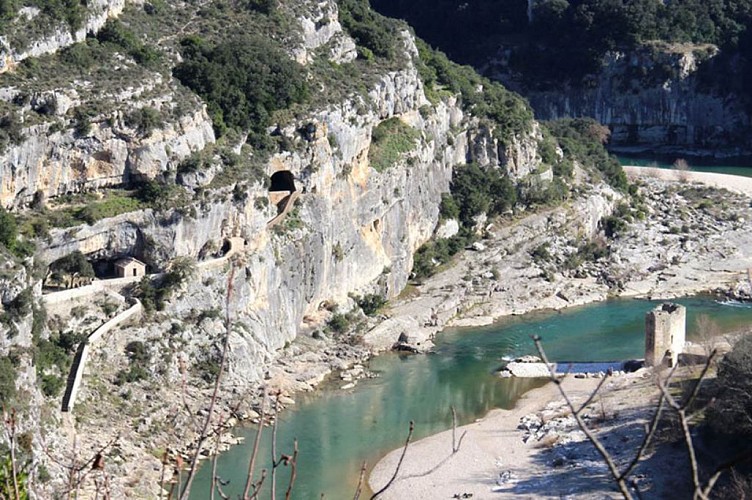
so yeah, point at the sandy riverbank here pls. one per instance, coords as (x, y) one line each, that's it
(536, 450)
(734, 183)
(492, 445)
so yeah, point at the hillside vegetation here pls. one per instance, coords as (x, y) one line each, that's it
(567, 39)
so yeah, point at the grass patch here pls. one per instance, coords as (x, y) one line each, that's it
(390, 140)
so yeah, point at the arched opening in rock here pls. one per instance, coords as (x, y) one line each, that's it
(376, 225)
(283, 185)
(283, 181)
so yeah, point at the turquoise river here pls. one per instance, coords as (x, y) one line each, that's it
(733, 167)
(338, 430)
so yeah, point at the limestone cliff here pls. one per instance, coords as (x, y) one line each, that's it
(33, 33)
(652, 97)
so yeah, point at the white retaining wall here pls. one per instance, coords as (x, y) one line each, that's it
(97, 334)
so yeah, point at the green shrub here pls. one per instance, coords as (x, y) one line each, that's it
(374, 34)
(508, 111)
(145, 120)
(110, 207)
(8, 229)
(370, 303)
(583, 139)
(139, 357)
(615, 225)
(19, 307)
(339, 323)
(243, 81)
(448, 208)
(115, 33)
(52, 385)
(11, 132)
(208, 365)
(7, 380)
(433, 254)
(541, 253)
(74, 262)
(477, 191)
(154, 294)
(390, 140)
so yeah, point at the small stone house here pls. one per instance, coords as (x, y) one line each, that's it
(129, 267)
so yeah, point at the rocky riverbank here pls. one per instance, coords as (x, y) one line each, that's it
(677, 237)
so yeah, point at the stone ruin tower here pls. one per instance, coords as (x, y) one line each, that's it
(665, 332)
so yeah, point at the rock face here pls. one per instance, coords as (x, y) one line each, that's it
(54, 163)
(652, 97)
(352, 229)
(60, 35)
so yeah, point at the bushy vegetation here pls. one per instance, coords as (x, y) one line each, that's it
(18, 308)
(476, 190)
(583, 139)
(154, 293)
(435, 253)
(116, 33)
(74, 262)
(9, 232)
(10, 130)
(84, 208)
(373, 33)
(243, 81)
(568, 38)
(370, 303)
(139, 357)
(473, 191)
(7, 380)
(53, 358)
(390, 140)
(508, 112)
(144, 120)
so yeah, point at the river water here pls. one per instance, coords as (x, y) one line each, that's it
(337, 430)
(743, 168)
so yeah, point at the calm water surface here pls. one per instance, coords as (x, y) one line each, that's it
(338, 430)
(699, 165)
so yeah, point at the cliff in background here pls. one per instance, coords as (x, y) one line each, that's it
(653, 98)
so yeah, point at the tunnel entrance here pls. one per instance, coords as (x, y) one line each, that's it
(283, 181)
(283, 185)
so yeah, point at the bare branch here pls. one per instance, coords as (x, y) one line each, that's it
(212, 403)
(696, 388)
(252, 461)
(621, 483)
(649, 434)
(213, 482)
(592, 395)
(274, 447)
(399, 464)
(361, 479)
(293, 473)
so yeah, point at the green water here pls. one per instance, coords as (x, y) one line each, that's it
(743, 168)
(338, 430)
